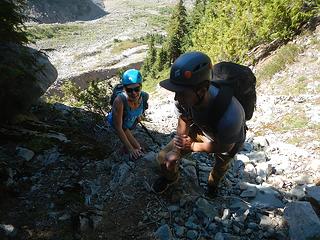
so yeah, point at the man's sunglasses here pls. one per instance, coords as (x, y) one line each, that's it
(131, 90)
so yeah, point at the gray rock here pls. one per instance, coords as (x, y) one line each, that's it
(179, 230)
(163, 233)
(237, 204)
(313, 194)
(9, 230)
(206, 209)
(250, 192)
(298, 192)
(257, 156)
(219, 236)
(226, 214)
(265, 221)
(260, 142)
(187, 162)
(191, 225)
(38, 74)
(263, 170)
(84, 223)
(192, 235)
(267, 197)
(250, 171)
(303, 222)
(24, 153)
(205, 168)
(242, 157)
(173, 208)
(120, 173)
(248, 147)
(191, 172)
(49, 157)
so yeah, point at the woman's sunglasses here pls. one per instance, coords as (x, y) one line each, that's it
(131, 90)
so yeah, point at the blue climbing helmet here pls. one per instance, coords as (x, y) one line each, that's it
(131, 76)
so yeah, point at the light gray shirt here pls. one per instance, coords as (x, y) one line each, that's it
(229, 129)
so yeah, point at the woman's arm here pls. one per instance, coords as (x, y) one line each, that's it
(125, 136)
(117, 112)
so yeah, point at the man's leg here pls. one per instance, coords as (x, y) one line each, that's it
(169, 175)
(220, 168)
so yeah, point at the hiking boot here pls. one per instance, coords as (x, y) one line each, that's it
(161, 184)
(212, 191)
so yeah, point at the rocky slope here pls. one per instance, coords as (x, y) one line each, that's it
(90, 51)
(63, 174)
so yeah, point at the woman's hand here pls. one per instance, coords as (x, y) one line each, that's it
(183, 142)
(136, 153)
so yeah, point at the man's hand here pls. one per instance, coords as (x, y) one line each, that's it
(183, 142)
(171, 159)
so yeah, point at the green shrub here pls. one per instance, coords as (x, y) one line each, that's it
(230, 29)
(95, 98)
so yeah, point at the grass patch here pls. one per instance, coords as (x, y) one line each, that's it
(299, 87)
(292, 121)
(166, 11)
(121, 46)
(285, 55)
(48, 31)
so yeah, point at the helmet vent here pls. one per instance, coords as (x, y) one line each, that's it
(199, 67)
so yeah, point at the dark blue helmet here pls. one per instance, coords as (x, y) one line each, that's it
(188, 71)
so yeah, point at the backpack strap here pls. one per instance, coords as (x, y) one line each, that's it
(124, 101)
(145, 98)
(220, 103)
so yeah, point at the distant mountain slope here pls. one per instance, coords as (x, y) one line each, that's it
(61, 11)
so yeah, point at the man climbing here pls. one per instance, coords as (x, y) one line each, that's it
(197, 131)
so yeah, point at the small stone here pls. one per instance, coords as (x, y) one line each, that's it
(163, 233)
(192, 234)
(24, 153)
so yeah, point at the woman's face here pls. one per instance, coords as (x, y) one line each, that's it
(133, 91)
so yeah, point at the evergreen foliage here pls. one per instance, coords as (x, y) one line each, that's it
(197, 13)
(147, 68)
(11, 22)
(230, 29)
(194, 19)
(162, 60)
(159, 59)
(177, 31)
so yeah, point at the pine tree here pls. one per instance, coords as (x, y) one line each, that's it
(150, 58)
(197, 13)
(11, 22)
(177, 32)
(162, 60)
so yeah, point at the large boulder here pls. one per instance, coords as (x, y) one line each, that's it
(25, 75)
(61, 11)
